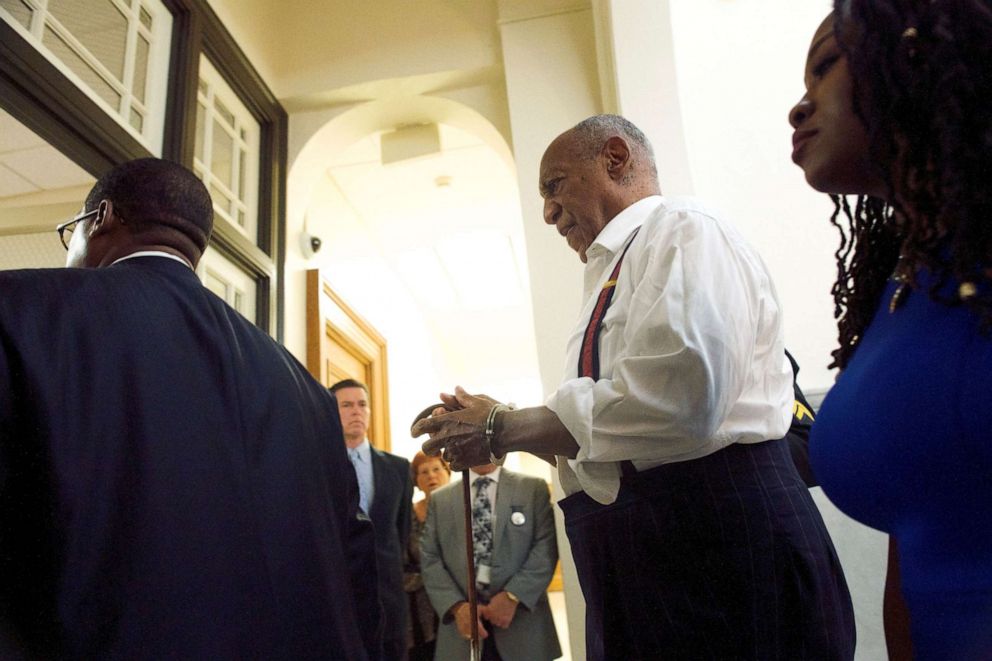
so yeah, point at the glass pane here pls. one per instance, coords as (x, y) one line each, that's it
(140, 68)
(203, 87)
(20, 11)
(225, 114)
(215, 284)
(137, 121)
(90, 77)
(200, 128)
(221, 200)
(242, 166)
(222, 154)
(239, 301)
(241, 217)
(146, 18)
(99, 26)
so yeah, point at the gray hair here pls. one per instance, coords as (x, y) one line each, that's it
(593, 132)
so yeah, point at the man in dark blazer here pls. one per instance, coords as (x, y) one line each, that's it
(386, 488)
(166, 485)
(516, 614)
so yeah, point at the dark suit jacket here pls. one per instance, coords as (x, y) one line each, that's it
(391, 507)
(167, 488)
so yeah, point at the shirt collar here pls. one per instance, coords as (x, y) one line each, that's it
(612, 237)
(364, 451)
(154, 253)
(494, 476)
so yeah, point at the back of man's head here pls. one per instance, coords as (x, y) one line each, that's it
(592, 133)
(157, 196)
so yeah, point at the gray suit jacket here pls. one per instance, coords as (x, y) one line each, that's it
(524, 557)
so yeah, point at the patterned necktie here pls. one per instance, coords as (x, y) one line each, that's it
(363, 487)
(482, 523)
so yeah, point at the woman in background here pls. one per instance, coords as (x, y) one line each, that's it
(898, 111)
(429, 473)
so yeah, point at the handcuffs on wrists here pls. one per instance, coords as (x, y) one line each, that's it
(490, 431)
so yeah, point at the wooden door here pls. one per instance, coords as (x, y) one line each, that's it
(342, 345)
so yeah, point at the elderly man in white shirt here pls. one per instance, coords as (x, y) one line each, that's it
(692, 532)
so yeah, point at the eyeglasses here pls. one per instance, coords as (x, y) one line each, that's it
(65, 229)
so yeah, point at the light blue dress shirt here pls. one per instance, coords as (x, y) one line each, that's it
(361, 459)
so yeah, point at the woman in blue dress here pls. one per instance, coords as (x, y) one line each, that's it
(898, 112)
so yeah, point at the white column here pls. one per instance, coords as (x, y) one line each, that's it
(549, 58)
(637, 65)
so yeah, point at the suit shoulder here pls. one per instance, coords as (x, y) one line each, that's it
(531, 483)
(27, 278)
(522, 478)
(394, 460)
(450, 490)
(45, 292)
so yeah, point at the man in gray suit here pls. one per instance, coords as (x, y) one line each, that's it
(515, 554)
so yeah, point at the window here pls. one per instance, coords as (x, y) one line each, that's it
(224, 278)
(93, 77)
(117, 51)
(226, 152)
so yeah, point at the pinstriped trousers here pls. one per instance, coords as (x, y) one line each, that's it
(723, 557)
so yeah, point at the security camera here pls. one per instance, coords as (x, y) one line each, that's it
(310, 244)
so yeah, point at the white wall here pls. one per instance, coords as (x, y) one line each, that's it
(31, 251)
(352, 264)
(740, 69)
(544, 101)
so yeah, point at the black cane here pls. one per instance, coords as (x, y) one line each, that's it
(473, 598)
(475, 651)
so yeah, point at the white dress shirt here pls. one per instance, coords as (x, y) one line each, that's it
(153, 253)
(691, 352)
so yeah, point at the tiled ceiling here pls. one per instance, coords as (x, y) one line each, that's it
(426, 214)
(28, 164)
(39, 186)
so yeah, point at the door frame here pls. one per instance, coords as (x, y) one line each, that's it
(329, 316)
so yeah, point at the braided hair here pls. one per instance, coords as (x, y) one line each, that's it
(922, 77)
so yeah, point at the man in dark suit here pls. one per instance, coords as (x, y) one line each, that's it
(386, 488)
(166, 485)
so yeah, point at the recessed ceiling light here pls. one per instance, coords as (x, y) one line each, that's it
(442, 181)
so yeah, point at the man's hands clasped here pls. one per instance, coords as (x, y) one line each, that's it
(500, 611)
(457, 429)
